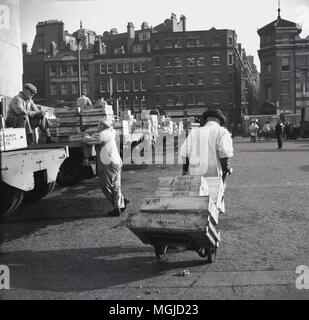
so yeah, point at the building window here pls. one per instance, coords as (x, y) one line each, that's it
(126, 67)
(157, 62)
(268, 92)
(168, 44)
(86, 87)
(285, 64)
(63, 71)
(216, 98)
(103, 86)
(230, 77)
(286, 87)
(126, 85)
(190, 61)
(137, 48)
(119, 68)
(85, 69)
(136, 104)
(231, 97)
(75, 70)
(74, 88)
(102, 68)
(199, 43)
(179, 100)
(119, 86)
(144, 103)
(158, 100)
(191, 99)
(178, 43)
(109, 68)
(53, 89)
(158, 81)
(201, 61)
(268, 68)
(231, 59)
(178, 62)
(143, 85)
(169, 81)
(201, 99)
(190, 43)
(200, 81)
(215, 41)
(135, 67)
(143, 67)
(64, 89)
(169, 100)
(52, 71)
(135, 85)
(157, 45)
(230, 41)
(216, 80)
(169, 62)
(191, 80)
(127, 103)
(178, 81)
(216, 61)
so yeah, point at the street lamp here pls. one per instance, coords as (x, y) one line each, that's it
(80, 37)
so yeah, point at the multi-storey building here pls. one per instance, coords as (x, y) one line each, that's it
(284, 60)
(180, 72)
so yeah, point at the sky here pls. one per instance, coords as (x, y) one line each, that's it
(244, 16)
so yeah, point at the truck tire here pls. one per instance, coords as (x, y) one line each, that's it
(71, 171)
(40, 191)
(11, 199)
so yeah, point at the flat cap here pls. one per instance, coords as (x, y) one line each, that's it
(31, 87)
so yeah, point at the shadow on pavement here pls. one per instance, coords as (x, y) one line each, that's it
(89, 268)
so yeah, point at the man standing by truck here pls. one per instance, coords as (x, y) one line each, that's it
(279, 133)
(23, 113)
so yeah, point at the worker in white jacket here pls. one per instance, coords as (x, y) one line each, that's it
(109, 166)
(208, 148)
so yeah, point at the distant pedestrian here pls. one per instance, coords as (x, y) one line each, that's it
(253, 131)
(279, 133)
(101, 103)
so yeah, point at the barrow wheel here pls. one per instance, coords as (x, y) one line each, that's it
(71, 172)
(160, 251)
(39, 192)
(208, 253)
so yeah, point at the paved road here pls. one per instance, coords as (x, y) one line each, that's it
(66, 247)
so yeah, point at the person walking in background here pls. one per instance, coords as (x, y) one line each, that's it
(279, 133)
(253, 131)
(101, 103)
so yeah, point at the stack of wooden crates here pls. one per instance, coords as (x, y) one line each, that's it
(183, 212)
(70, 125)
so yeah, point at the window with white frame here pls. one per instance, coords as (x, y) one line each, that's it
(178, 61)
(143, 66)
(109, 68)
(135, 85)
(74, 88)
(179, 100)
(102, 68)
(191, 99)
(126, 67)
(169, 61)
(75, 70)
(135, 67)
(103, 86)
(191, 79)
(178, 80)
(136, 103)
(126, 85)
(143, 85)
(64, 89)
(191, 61)
(63, 71)
(52, 71)
(201, 99)
(119, 86)
(158, 81)
(216, 60)
(230, 59)
(178, 43)
(201, 61)
(157, 62)
(119, 67)
(169, 100)
(53, 89)
(285, 64)
(230, 41)
(200, 80)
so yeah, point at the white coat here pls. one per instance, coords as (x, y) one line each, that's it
(204, 147)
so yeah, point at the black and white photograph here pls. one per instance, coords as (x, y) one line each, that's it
(154, 151)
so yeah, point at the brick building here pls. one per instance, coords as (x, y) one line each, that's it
(284, 57)
(181, 72)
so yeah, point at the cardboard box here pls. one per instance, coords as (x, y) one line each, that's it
(13, 139)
